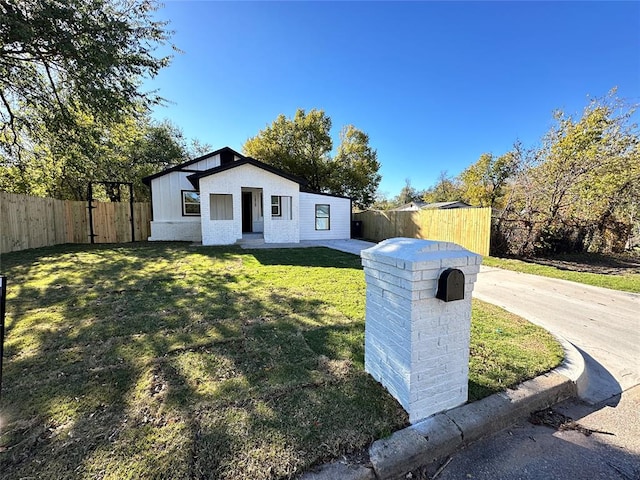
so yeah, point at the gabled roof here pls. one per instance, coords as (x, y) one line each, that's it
(195, 177)
(420, 205)
(304, 189)
(417, 205)
(445, 205)
(183, 166)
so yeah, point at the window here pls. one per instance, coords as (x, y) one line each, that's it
(190, 203)
(281, 208)
(275, 206)
(221, 206)
(322, 216)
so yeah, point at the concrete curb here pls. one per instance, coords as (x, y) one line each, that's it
(438, 436)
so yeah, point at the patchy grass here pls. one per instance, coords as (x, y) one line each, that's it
(505, 349)
(168, 361)
(617, 273)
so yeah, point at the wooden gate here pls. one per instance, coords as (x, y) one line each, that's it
(111, 221)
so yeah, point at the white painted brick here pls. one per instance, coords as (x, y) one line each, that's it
(425, 285)
(470, 279)
(398, 299)
(375, 290)
(187, 230)
(430, 264)
(435, 331)
(430, 273)
(453, 262)
(276, 230)
(428, 294)
(469, 270)
(378, 258)
(420, 343)
(382, 267)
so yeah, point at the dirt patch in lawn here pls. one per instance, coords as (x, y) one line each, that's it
(610, 264)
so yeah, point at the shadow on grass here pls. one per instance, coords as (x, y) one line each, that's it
(149, 361)
(598, 263)
(308, 257)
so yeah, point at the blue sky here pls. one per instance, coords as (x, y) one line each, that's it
(434, 84)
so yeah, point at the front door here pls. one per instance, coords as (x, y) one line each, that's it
(247, 209)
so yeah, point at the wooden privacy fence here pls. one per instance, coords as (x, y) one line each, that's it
(31, 222)
(468, 227)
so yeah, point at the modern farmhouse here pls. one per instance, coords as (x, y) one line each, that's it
(221, 196)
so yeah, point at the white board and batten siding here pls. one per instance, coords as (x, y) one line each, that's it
(169, 224)
(339, 217)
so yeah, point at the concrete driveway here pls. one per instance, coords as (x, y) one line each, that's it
(603, 324)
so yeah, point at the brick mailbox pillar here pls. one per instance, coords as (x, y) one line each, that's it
(418, 320)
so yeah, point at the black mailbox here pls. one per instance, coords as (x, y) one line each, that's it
(451, 285)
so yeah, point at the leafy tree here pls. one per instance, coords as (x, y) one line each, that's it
(407, 194)
(57, 58)
(302, 146)
(382, 201)
(484, 183)
(580, 191)
(446, 189)
(196, 148)
(354, 170)
(61, 166)
(299, 146)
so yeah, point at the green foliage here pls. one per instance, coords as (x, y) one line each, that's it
(484, 183)
(299, 146)
(354, 170)
(74, 55)
(446, 189)
(71, 110)
(61, 166)
(505, 349)
(302, 146)
(407, 194)
(581, 188)
(629, 282)
(578, 191)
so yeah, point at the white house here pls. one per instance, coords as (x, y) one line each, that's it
(219, 197)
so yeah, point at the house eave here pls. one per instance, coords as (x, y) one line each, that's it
(182, 167)
(195, 178)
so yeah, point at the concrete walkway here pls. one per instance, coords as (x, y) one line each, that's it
(349, 246)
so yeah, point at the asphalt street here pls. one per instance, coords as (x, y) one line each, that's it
(604, 441)
(539, 452)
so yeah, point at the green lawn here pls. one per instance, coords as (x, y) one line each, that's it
(170, 361)
(629, 282)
